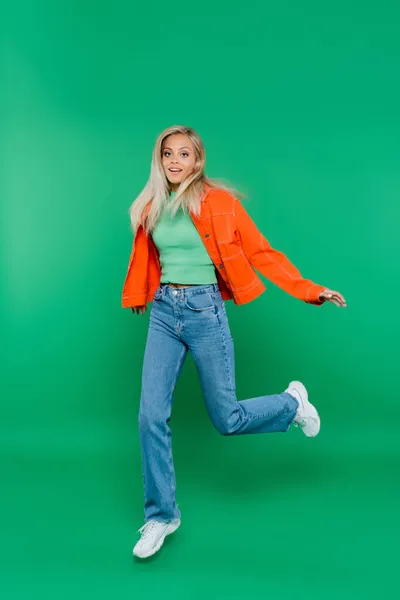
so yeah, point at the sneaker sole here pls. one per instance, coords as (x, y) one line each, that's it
(171, 528)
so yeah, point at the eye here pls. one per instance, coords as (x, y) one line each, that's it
(187, 154)
(166, 152)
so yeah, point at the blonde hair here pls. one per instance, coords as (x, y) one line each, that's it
(158, 188)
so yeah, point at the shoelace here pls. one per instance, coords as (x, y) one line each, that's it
(147, 529)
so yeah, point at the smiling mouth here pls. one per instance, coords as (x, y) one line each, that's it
(175, 170)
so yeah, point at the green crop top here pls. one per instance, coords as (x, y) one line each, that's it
(183, 256)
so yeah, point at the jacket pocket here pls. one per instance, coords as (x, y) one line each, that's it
(238, 268)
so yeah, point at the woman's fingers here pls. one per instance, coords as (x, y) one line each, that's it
(139, 310)
(334, 297)
(338, 299)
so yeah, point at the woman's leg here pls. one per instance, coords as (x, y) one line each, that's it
(208, 337)
(163, 360)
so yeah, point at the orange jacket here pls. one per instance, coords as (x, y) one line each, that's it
(235, 246)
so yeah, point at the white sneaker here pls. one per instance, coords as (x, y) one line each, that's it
(153, 534)
(307, 416)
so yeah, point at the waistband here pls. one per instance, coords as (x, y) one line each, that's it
(191, 290)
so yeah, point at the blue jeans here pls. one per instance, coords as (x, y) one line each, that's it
(193, 318)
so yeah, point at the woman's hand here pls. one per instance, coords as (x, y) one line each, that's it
(332, 296)
(139, 310)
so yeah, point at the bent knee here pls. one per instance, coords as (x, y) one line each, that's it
(227, 426)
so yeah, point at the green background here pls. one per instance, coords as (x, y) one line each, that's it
(298, 106)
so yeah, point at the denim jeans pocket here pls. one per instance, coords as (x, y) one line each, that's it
(219, 301)
(199, 302)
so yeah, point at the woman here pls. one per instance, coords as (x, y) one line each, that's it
(194, 247)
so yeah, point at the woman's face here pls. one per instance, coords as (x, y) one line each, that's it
(178, 158)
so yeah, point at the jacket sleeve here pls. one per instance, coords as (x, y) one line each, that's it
(271, 263)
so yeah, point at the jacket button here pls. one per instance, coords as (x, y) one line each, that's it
(207, 235)
(221, 266)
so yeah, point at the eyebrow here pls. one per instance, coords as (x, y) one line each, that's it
(181, 148)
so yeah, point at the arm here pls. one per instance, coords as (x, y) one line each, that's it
(271, 263)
